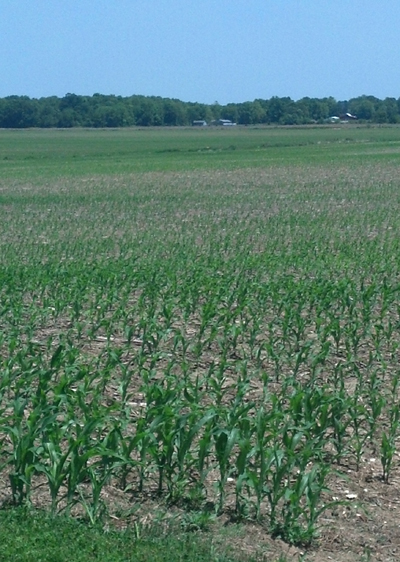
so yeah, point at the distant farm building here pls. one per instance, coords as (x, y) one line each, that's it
(199, 123)
(223, 123)
(347, 117)
(344, 118)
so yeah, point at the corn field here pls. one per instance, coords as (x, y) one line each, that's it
(219, 337)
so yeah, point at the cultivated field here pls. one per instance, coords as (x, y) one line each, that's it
(204, 325)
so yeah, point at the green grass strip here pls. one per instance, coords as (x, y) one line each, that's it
(27, 536)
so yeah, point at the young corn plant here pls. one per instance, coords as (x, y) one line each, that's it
(375, 401)
(93, 505)
(22, 456)
(246, 452)
(388, 441)
(303, 506)
(359, 417)
(30, 414)
(224, 441)
(189, 427)
(258, 472)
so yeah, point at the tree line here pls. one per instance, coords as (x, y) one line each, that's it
(116, 111)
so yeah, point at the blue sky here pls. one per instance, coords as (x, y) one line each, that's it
(201, 50)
